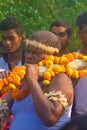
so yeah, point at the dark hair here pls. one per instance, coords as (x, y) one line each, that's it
(81, 20)
(12, 23)
(78, 123)
(63, 23)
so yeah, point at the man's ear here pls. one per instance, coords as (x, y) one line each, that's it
(70, 39)
(23, 37)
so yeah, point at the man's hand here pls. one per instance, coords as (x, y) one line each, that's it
(4, 74)
(32, 72)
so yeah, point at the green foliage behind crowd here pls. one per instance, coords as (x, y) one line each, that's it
(39, 14)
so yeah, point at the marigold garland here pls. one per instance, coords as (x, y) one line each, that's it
(13, 83)
(53, 65)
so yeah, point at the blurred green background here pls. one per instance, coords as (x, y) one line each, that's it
(39, 14)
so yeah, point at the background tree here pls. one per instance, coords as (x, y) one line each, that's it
(39, 14)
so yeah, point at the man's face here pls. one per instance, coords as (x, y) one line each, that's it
(11, 41)
(83, 35)
(33, 57)
(62, 35)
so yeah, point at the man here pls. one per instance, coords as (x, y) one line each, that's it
(63, 30)
(12, 33)
(81, 87)
(36, 110)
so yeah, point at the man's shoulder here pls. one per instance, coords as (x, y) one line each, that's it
(3, 63)
(1, 59)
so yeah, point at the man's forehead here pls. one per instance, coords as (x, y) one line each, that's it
(62, 29)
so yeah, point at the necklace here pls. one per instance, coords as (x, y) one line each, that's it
(73, 64)
(13, 83)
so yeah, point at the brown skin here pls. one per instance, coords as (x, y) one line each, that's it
(11, 42)
(83, 36)
(63, 37)
(49, 111)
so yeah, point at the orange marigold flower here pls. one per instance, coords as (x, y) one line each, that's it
(56, 59)
(46, 77)
(0, 86)
(5, 81)
(80, 56)
(81, 73)
(10, 79)
(70, 57)
(75, 54)
(56, 70)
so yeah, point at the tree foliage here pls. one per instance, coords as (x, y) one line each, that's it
(39, 14)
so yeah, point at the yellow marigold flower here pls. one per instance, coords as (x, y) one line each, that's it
(23, 67)
(75, 74)
(40, 63)
(68, 65)
(46, 82)
(51, 72)
(75, 54)
(22, 71)
(49, 64)
(12, 86)
(63, 60)
(62, 68)
(51, 57)
(47, 76)
(85, 71)
(59, 68)
(84, 58)
(18, 77)
(47, 73)
(69, 71)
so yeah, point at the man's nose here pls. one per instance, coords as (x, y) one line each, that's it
(7, 42)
